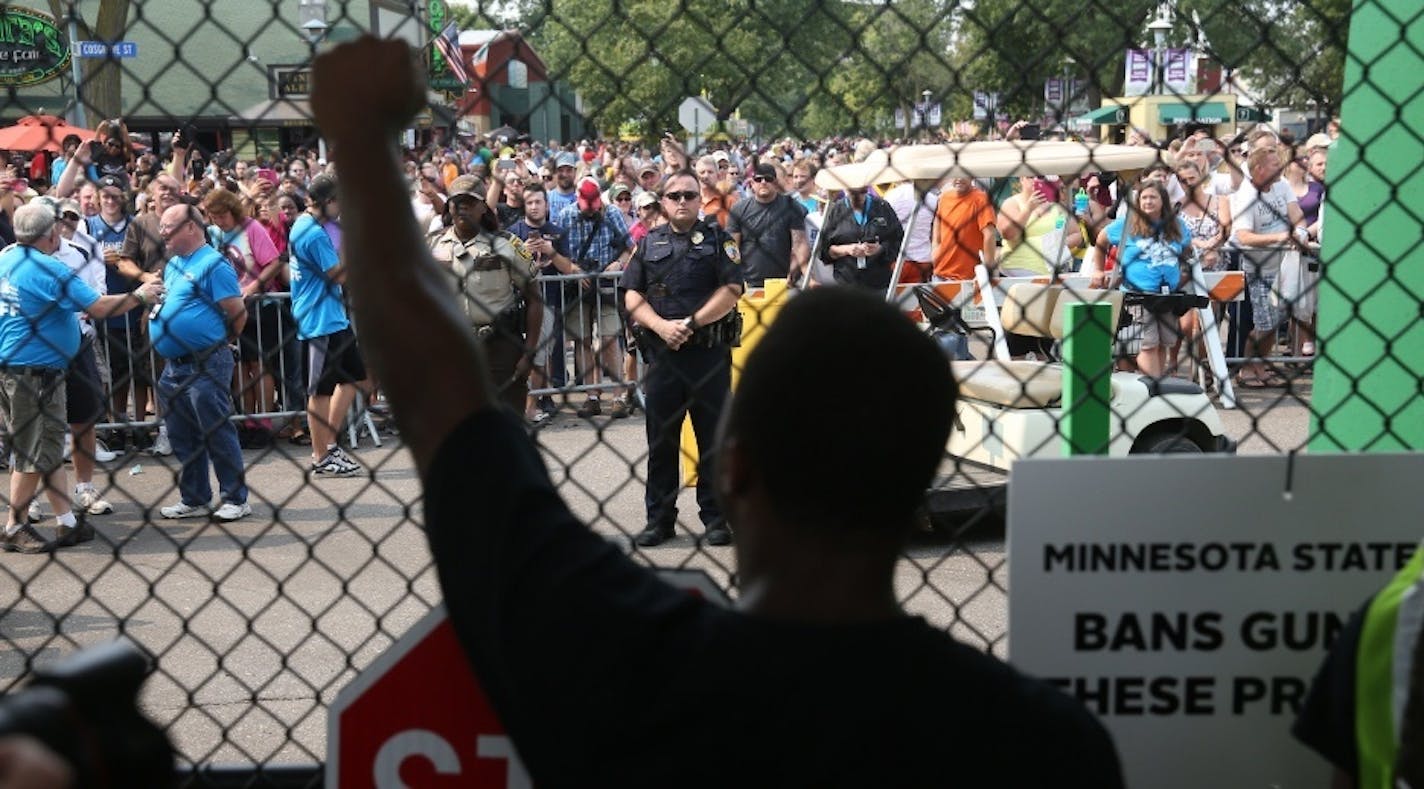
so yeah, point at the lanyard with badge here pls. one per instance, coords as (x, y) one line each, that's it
(860, 217)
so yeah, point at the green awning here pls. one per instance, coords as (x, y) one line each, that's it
(1111, 115)
(1206, 112)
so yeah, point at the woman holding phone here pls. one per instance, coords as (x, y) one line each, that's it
(1039, 234)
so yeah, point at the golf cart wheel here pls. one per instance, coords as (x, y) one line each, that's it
(1169, 444)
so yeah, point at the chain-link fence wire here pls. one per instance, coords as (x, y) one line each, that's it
(983, 127)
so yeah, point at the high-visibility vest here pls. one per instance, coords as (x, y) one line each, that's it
(1387, 636)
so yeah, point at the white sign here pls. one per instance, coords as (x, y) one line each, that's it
(696, 114)
(1189, 601)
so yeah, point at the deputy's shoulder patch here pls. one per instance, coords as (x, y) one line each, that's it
(733, 254)
(520, 247)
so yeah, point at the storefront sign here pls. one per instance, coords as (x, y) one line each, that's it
(32, 48)
(291, 82)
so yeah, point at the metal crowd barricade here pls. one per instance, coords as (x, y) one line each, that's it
(562, 308)
(283, 352)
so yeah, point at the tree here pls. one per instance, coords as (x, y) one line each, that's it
(101, 89)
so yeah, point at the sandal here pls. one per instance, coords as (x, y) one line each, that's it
(1250, 383)
(1274, 381)
(300, 439)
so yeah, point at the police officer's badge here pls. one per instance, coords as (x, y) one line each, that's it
(697, 237)
(520, 247)
(733, 254)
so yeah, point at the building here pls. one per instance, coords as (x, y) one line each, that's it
(236, 70)
(510, 87)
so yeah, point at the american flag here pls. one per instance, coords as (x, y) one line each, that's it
(448, 42)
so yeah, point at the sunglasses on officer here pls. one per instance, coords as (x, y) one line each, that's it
(682, 197)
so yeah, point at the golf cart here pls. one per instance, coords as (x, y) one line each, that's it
(1011, 409)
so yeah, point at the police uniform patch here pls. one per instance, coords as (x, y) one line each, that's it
(697, 237)
(520, 247)
(733, 254)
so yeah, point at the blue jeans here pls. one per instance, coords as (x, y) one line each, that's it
(197, 401)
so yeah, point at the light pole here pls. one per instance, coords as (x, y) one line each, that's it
(1159, 27)
(925, 112)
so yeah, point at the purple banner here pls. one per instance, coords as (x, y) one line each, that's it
(1139, 72)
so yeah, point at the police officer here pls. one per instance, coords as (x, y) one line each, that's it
(682, 284)
(493, 276)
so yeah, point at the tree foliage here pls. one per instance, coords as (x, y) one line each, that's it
(821, 67)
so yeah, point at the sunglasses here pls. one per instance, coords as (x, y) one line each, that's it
(682, 197)
(762, 179)
(624, 198)
(70, 215)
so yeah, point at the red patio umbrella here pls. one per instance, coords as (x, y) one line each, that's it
(39, 133)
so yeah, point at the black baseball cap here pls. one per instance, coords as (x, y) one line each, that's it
(114, 182)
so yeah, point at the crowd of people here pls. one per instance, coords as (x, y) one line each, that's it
(537, 238)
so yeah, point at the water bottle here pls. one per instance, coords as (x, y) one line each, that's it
(1080, 202)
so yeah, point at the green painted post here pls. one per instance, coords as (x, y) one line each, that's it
(1369, 369)
(1087, 378)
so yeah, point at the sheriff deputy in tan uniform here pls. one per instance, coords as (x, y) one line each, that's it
(493, 275)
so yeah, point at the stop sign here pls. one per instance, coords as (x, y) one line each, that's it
(417, 717)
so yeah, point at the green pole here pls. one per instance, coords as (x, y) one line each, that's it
(1369, 369)
(1087, 378)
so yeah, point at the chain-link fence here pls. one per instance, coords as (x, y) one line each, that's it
(985, 166)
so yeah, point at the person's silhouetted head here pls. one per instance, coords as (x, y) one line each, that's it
(839, 421)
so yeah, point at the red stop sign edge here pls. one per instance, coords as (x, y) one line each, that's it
(368, 677)
(691, 580)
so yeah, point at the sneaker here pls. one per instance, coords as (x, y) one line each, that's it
(540, 417)
(332, 466)
(184, 510)
(89, 501)
(620, 409)
(81, 531)
(231, 511)
(102, 453)
(590, 407)
(160, 444)
(341, 455)
(35, 514)
(26, 540)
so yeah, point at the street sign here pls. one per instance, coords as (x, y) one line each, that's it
(100, 49)
(418, 717)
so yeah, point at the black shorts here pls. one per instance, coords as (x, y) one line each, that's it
(333, 359)
(263, 334)
(84, 390)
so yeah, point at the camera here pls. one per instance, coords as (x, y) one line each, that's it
(85, 709)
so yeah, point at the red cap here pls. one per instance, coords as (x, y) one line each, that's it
(589, 195)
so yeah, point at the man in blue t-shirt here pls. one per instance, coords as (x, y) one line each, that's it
(334, 365)
(201, 313)
(39, 335)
